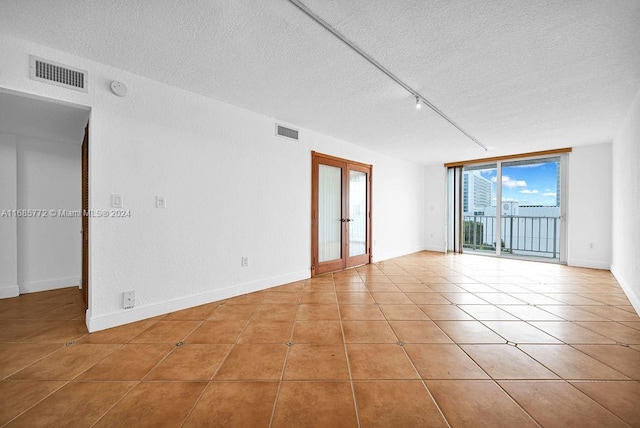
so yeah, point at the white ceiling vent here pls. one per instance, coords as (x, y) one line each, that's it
(57, 74)
(283, 131)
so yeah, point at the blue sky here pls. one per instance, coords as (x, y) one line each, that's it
(532, 184)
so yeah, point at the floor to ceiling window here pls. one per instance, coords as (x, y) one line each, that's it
(511, 206)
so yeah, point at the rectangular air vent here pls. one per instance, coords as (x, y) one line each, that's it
(282, 131)
(57, 74)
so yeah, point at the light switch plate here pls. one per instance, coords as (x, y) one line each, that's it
(161, 202)
(116, 201)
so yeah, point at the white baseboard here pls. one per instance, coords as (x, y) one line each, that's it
(126, 316)
(588, 264)
(436, 248)
(8, 291)
(35, 287)
(632, 295)
(384, 257)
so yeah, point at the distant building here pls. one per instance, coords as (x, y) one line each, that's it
(476, 193)
(557, 184)
(513, 208)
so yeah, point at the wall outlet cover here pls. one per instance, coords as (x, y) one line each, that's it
(129, 299)
(116, 201)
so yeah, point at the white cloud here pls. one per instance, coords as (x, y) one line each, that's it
(549, 194)
(530, 165)
(508, 182)
(527, 191)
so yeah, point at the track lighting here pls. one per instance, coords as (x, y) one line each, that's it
(419, 99)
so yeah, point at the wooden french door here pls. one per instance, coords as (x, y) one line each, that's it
(340, 214)
(85, 218)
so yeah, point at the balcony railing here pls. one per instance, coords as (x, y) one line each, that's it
(520, 235)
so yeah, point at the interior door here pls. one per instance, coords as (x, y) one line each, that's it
(85, 218)
(341, 214)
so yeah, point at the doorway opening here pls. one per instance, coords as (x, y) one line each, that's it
(340, 213)
(42, 155)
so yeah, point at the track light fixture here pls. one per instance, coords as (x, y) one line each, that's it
(419, 99)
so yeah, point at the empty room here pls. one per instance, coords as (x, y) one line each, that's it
(291, 213)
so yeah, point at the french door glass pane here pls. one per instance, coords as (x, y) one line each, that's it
(530, 207)
(479, 208)
(329, 213)
(357, 213)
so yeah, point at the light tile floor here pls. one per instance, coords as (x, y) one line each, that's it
(422, 340)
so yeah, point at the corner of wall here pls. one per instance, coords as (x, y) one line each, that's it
(626, 204)
(8, 291)
(632, 294)
(590, 264)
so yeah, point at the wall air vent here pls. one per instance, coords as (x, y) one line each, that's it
(283, 131)
(57, 74)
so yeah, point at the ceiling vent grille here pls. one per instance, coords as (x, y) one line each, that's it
(283, 131)
(57, 74)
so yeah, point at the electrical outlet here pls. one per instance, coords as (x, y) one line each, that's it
(129, 299)
(161, 202)
(245, 261)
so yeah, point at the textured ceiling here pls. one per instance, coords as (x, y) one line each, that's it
(518, 75)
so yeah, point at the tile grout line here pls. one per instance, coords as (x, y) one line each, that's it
(36, 403)
(207, 386)
(348, 361)
(424, 384)
(135, 384)
(595, 401)
(34, 362)
(139, 382)
(284, 362)
(175, 347)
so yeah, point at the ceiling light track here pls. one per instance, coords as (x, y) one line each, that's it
(383, 69)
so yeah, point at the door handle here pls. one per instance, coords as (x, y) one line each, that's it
(349, 219)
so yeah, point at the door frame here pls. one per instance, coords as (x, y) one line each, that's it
(85, 218)
(345, 261)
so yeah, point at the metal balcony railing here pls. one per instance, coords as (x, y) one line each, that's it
(520, 235)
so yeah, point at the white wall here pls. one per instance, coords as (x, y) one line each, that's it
(8, 223)
(625, 263)
(232, 188)
(435, 210)
(589, 207)
(49, 248)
